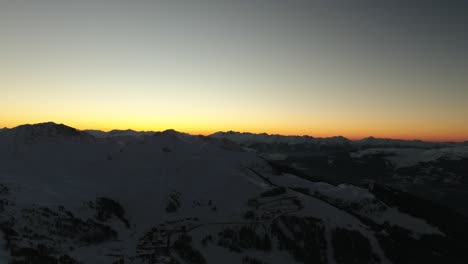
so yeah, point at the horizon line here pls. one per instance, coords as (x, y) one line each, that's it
(247, 132)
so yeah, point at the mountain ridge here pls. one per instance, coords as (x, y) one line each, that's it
(120, 132)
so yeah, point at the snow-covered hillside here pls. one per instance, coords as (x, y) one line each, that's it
(67, 196)
(408, 157)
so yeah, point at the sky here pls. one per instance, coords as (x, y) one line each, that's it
(320, 68)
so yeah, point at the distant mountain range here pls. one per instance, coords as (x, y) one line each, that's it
(247, 138)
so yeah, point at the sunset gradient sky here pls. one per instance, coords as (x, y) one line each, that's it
(319, 68)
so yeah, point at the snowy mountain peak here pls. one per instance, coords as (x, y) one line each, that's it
(172, 132)
(36, 132)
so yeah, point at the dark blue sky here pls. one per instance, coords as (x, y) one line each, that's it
(356, 68)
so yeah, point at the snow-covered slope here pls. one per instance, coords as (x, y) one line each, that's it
(408, 157)
(169, 197)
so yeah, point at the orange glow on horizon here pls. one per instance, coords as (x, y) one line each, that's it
(202, 69)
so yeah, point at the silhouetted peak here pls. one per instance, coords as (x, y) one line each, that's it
(33, 132)
(119, 131)
(48, 128)
(170, 131)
